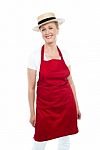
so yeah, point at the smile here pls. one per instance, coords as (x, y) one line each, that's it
(48, 37)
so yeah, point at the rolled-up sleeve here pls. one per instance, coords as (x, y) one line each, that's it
(32, 62)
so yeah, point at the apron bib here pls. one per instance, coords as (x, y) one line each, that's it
(56, 113)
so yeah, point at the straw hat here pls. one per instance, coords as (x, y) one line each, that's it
(47, 18)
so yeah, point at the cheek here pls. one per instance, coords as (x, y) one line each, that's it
(56, 31)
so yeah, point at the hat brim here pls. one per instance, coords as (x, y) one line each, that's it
(59, 20)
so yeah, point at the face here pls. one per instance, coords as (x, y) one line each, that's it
(49, 32)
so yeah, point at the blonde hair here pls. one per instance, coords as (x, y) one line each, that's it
(57, 25)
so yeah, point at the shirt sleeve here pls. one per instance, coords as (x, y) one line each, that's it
(32, 64)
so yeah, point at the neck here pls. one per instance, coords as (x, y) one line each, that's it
(50, 47)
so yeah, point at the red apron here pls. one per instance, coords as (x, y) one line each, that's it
(56, 114)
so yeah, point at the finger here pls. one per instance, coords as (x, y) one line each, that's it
(79, 116)
(34, 123)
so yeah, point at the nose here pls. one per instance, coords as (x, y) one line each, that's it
(47, 31)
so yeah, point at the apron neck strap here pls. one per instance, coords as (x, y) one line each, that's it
(60, 53)
(42, 53)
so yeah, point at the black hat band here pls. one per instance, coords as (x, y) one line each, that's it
(45, 20)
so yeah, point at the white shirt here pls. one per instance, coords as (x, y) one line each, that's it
(35, 60)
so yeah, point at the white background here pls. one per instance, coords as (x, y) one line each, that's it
(80, 35)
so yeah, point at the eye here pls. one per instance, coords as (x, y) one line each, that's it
(43, 29)
(50, 28)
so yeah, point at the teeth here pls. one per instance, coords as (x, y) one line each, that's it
(48, 36)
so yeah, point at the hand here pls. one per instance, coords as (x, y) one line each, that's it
(32, 119)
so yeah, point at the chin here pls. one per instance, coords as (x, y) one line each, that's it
(49, 41)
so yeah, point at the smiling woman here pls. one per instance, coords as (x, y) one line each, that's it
(55, 97)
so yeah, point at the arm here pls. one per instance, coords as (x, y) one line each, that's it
(31, 94)
(74, 92)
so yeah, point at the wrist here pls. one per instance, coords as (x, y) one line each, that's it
(32, 112)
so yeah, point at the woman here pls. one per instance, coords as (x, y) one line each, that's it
(57, 108)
